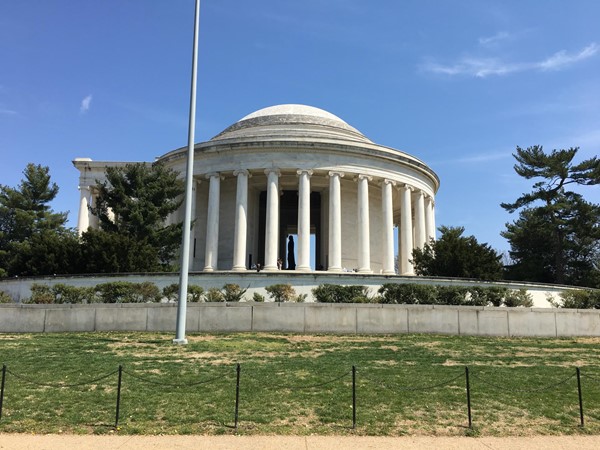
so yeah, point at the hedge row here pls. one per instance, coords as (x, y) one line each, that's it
(390, 293)
(423, 294)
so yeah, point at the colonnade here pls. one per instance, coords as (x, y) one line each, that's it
(413, 233)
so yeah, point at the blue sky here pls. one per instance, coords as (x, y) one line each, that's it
(457, 83)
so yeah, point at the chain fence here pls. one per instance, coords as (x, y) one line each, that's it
(368, 380)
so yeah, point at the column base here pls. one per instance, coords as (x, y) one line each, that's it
(303, 269)
(409, 274)
(239, 268)
(334, 269)
(365, 271)
(208, 269)
(388, 272)
(269, 269)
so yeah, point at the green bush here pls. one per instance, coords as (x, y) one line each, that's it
(41, 294)
(518, 297)
(127, 292)
(171, 292)
(412, 294)
(452, 295)
(5, 298)
(146, 292)
(281, 292)
(333, 293)
(63, 293)
(258, 298)
(214, 295)
(486, 296)
(233, 292)
(579, 299)
(195, 293)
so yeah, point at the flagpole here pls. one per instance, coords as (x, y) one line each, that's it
(187, 221)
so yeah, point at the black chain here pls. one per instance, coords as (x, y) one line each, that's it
(172, 385)
(548, 387)
(60, 385)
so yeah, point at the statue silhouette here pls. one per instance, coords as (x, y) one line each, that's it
(291, 260)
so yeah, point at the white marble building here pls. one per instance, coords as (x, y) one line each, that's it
(297, 170)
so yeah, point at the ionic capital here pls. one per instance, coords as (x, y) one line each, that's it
(306, 171)
(408, 187)
(242, 172)
(385, 181)
(334, 173)
(361, 177)
(274, 170)
(210, 175)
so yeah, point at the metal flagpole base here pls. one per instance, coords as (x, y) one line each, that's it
(183, 341)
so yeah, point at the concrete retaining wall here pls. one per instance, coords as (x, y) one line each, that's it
(303, 318)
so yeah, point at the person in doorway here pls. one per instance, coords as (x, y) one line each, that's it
(290, 256)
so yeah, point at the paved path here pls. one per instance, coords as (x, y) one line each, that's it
(69, 442)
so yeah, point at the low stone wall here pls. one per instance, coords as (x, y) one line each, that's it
(302, 318)
(20, 288)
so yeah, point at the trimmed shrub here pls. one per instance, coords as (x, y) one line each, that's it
(281, 292)
(63, 293)
(258, 298)
(518, 297)
(195, 293)
(41, 294)
(127, 292)
(5, 298)
(214, 295)
(486, 296)
(333, 293)
(580, 299)
(233, 292)
(411, 294)
(452, 295)
(171, 292)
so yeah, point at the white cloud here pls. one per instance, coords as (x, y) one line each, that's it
(562, 58)
(489, 40)
(484, 67)
(85, 104)
(8, 112)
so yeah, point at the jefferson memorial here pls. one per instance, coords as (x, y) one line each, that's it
(296, 172)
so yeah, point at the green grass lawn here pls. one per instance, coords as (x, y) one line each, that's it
(298, 384)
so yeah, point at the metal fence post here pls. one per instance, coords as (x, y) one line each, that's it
(118, 396)
(353, 397)
(2, 388)
(580, 396)
(237, 395)
(468, 396)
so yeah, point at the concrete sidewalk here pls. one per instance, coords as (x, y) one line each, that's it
(68, 442)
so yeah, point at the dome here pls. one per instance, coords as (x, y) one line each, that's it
(291, 121)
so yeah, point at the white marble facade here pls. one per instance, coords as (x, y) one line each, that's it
(297, 170)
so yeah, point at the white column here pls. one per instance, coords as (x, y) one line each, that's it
(335, 222)
(388, 227)
(429, 219)
(241, 220)
(304, 220)
(420, 230)
(364, 248)
(193, 218)
(212, 223)
(83, 219)
(272, 222)
(406, 237)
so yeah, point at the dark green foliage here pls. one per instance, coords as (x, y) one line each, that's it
(132, 207)
(63, 293)
(424, 294)
(195, 293)
(333, 293)
(41, 294)
(126, 292)
(580, 299)
(214, 295)
(452, 295)
(455, 255)
(557, 235)
(258, 298)
(487, 296)
(33, 238)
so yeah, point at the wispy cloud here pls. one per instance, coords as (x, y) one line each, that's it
(86, 103)
(489, 40)
(482, 67)
(8, 112)
(562, 58)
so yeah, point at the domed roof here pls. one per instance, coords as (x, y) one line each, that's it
(282, 122)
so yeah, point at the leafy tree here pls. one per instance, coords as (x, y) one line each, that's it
(33, 238)
(455, 255)
(132, 207)
(557, 235)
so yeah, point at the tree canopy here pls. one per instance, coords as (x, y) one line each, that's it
(455, 255)
(132, 207)
(556, 237)
(33, 238)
